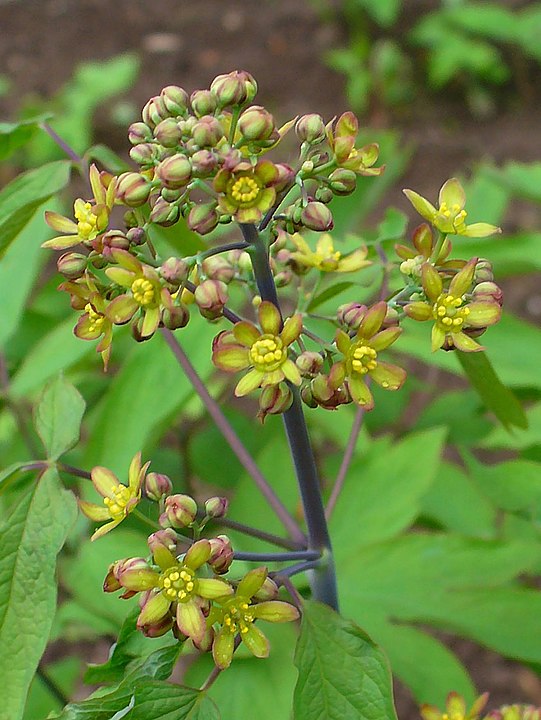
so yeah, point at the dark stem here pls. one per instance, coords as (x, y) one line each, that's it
(223, 248)
(70, 152)
(71, 470)
(294, 570)
(52, 687)
(232, 438)
(323, 580)
(261, 534)
(278, 557)
(216, 670)
(346, 461)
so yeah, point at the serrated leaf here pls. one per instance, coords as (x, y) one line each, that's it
(58, 417)
(162, 701)
(343, 675)
(21, 197)
(495, 395)
(30, 540)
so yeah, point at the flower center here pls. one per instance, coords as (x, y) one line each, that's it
(86, 221)
(245, 190)
(449, 313)
(177, 583)
(268, 353)
(363, 358)
(95, 319)
(117, 504)
(143, 292)
(455, 216)
(330, 262)
(237, 617)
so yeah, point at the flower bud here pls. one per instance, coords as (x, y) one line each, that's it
(145, 154)
(268, 591)
(175, 99)
(309, 363)
(245, 262)
(203, 218)
(488, 291)
(72, 265)
(256, 123)
(135, 236)
(180, 511)
(228, 89)
(109, 241)
(204, 163)
(154, 111)
(307, 396)
(157, 485)
(283, 278)
(391, 318)
(317, 216)
(163, 213)
(167, 133)
(130, 219)
(135, 574)
(483, 271)
(323, 194)
(176, 317)
(217, 267)
(157, 629)
(274, 400)
(166, 538)
(139, 132)
(211, 296)
(111, 584)
(174, 271)
(207, 131)
(216, 507)
(203, 102)
(174, 172)
(286, 176)
(310, 128)
(133, 189)
(350, 315)
(221, 554)
(343, 181)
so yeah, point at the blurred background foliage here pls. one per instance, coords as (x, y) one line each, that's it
(438, 531)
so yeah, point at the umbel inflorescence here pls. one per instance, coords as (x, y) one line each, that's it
(208, 161)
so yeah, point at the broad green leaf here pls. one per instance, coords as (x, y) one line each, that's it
(14, 135)
(58, 417)
(383, 491)
(10, 474)
(162, 701)
(520, 439)
(489, 20)
(120, 656)
(497, 398)
(393, 226)
(514, 486)
(65, 674)
(461, 411)
(108, 158)
(21, 197)
(343, 674)
(522, 179)
(515, 254)
(328, 294)
(384, 12)
(30, 540)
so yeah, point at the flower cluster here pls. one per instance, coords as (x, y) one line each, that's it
(456, 709)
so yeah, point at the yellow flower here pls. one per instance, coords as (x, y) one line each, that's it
(326, 258)
(264, 352)
(119, 500)
(341, 140)
(455, 708)
(246, 191)
(450, 217)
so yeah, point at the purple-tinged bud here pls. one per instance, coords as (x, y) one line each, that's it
(203, 218)
(207, 131)
(268, 591)
(216, 507)
(136, 236)
(283, 278)
(170, 195)
(228, 90)
(166, 538)
(72, 265)
(130, 219)
(180, 511)
(205, 645)
(309, 363)
(112, 240)
(139, 132)
(323, 194)
(307, 397)
(488, 291)
(133, 189)
(317, 216)
(185, 126)
(157, 629)
(163, 213)
(135, 574)
(204, 162)
(221, 554)
(175, 99)
(167, 133)
(310, 128)
(483, 271)
(145, 154)
(286, 176)
(174, 172)
(154, 111)
(211, 296)
(256, 123)
(157, 485)
(350, 315)
(218, 268)
(391, 318)
(274, 400)
(174, 271)
(245, 262)
(176, 317)
(203, 102)
(343, 181)
(111, 584)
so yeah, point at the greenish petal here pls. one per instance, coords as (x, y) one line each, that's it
(222, 649)
(275, 611)
(231, 358)
(154, 610)
(249, 382)
(385, 338)
(252, 582)
(191, 621)
(98, 513)
(212, 588)
(360, 392)
(438, 337)
(256, 642)
(481, 230)
(245, 333)
(452, 194)
(105, 481)
(465, 343)
(423, 207)
(483, 314)
(388, 376)
(269, 318)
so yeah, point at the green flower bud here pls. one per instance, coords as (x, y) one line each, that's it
(109, 241)
(235, 88)
(132, 189)
(174, 172)
(310, 128)
(286, 176)
(317, 216)
(488, 291)
(145, 154)
(324, 194)
(157, 485)
(245, 262)
(218, 268)
(139, 132)
(256, 123)
(170, 195)
(174, 271)
(167, 133)
(203, 102)
(274, 400)
(175, 99)
(343, 181)
(221, 554)
(176, 317)
(216, 507)
(130, 219)
(204, 162)
(211, 296)
(180, 511)
(164, 214)
(154, 111)
(268, 591)
(309, 363)
(307, 397)
(136, 236)
(283, 278)
(350, 315)
(163, 538)
(72, 265)
(203, 218)
(483, 271)
(207, 131)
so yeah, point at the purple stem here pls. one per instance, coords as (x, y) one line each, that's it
(346, 461)
(70, 152)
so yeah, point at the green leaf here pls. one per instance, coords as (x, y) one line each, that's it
(58, 417)
(21, 197)
(343, 675)
(108, 158)
(162, 701)
(15, 135)
(520, 439)
(30, 540)
(384, 12)
(514, 486)
(10, 474)
(328, 294)
(393, 225)
(119, 657)
(497, 398)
